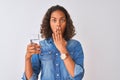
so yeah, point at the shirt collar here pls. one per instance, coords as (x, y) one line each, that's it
(50, 40)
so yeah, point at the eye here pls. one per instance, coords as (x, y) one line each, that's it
(62, 20)
(53, 20)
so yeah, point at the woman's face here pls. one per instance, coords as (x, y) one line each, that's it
(57, 19)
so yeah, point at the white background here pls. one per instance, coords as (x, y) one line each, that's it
(97, 25)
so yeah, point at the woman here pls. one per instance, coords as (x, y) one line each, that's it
(58, 57)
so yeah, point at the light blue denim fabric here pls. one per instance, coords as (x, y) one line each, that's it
(49, 63)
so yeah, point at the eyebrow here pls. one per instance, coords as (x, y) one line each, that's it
(55, 18)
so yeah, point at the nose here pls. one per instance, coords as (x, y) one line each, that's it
(58, 23)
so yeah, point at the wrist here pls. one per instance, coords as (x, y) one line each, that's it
(28, 56)
(64, 50)
(64, 56)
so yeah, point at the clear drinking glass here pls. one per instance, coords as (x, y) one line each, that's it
(35, 38)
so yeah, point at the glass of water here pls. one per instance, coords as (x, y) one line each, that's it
(35, 38)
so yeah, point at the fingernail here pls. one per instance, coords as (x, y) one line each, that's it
(38, 48)
(58, 27)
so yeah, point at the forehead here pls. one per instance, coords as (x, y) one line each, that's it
(57, 14)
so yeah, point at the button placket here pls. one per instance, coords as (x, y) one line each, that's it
(57, 66)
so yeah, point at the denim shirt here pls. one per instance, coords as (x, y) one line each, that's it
(51, 66)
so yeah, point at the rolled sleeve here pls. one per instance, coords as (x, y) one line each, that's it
(33, 77)
(35, 66)
(79, 62)
(78, 73)
(78, 70)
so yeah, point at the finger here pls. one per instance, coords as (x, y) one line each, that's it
(60, 34)
(37, 46)
(29, 45)
(53, 35)
(57, 34)
(32, 44)
(37, 52)
(31, 48)
(34, 51)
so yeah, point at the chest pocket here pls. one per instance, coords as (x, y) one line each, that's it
(46, 56)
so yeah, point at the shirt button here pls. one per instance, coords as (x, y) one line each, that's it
(56, 64)
(56, 54)
(57, 74)
(49, 52)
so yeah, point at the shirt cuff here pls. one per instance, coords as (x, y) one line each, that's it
(33, 77)
(78, 71)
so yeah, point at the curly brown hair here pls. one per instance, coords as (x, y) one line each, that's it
(46, 31)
